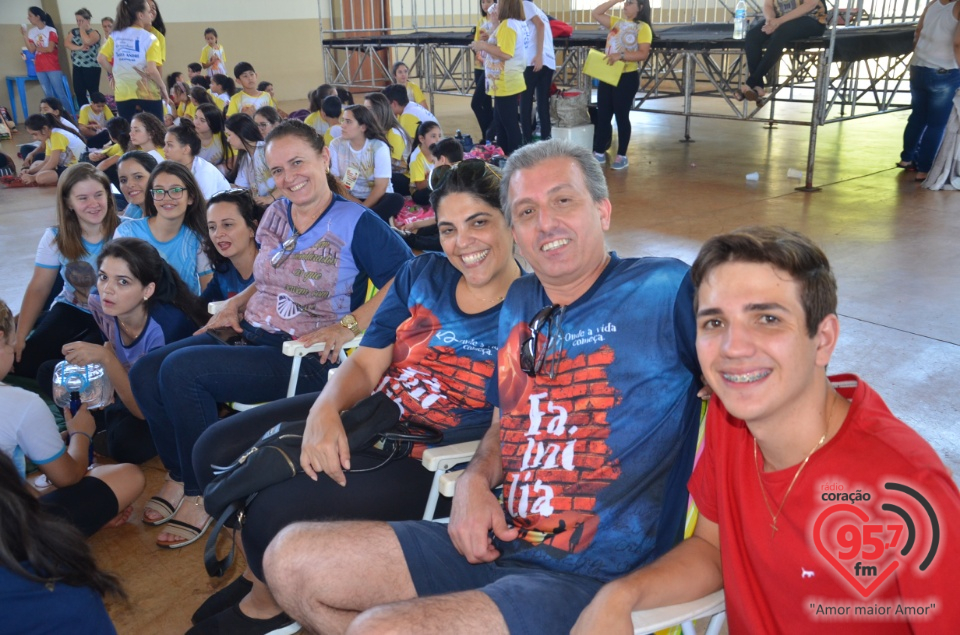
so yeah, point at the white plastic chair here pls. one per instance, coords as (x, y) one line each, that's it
(667, 617)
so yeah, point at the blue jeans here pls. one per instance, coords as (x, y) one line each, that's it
(52, 84)
(179, 386)
(931, 102)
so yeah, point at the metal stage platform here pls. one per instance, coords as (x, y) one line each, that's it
(693, 70)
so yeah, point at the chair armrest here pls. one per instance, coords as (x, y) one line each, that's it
(448, 483)
(446, 456)
(293, 348)
(214, 307)
(652, 620)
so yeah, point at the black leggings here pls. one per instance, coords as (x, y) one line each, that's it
(388, 206)
(62, 324)
(481, 104)
(760, 61)
(537, 82)
(397, 491)
(507, 122)
(615, 101)
(85, 79)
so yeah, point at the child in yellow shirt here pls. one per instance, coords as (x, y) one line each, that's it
(212, 56)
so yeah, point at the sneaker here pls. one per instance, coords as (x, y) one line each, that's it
(223, 599)
(620, 162)
(600, 157)
(233, 622)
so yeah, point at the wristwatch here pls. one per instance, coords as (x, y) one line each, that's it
(350, 322)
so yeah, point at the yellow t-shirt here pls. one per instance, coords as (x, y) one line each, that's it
(317, 122)
(163, 45)
(113, 151)
(131, 49)
(414, 93)
(220, 67)
(419, 168)
(333, 132)
(505, 77)
(242, 100)
(398, 148)
(60, 142)
(626, 36)
(483, 26)
(87, 116)
(219, 103)
(190, 111)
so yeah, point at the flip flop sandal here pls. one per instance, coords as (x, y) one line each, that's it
(909, 166)
(162, 507)
(188, 532)
(750, 94)
(738, 95)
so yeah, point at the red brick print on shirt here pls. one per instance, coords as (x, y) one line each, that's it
(553, 440)
(424, 381)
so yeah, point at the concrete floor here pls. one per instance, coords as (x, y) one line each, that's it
(892, 245)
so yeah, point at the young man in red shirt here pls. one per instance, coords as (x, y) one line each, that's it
(818, 507)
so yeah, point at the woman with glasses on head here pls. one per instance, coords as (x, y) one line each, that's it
(174, 222)
(317, 253)
(406, 354)
(231, 245)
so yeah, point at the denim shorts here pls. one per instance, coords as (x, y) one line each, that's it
(531, 600)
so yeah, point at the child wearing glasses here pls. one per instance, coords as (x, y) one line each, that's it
(174, 223)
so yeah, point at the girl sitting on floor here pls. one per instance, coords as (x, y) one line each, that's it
(61, 149)
(147, 133)
(182, 144)
(251, 170)
(86, 220)
(214, 147)
(422, 160)
(360, 159)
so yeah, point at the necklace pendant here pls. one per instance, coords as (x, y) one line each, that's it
(773, 533)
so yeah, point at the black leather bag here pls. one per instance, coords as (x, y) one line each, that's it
(373, 426)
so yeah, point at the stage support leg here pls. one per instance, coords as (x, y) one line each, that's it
(689, 85)
(819, 92)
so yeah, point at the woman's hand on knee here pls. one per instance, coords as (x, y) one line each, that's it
(325, 447)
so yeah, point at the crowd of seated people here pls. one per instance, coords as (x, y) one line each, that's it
(291, 224)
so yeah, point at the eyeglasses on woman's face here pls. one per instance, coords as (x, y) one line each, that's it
(175, 193)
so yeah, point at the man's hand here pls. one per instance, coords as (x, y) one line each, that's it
(475, 513)
(608, 613)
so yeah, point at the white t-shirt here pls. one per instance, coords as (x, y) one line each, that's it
(209, 178)
(358, 168)
(530, 10)
(66, 123)
(27, 430)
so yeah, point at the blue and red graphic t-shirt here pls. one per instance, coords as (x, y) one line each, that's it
(595, 459)
(443, 358)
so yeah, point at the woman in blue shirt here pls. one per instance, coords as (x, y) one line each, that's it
(231, 245)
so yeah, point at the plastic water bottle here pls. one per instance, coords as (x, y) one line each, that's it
(73, 385)
(740, 21)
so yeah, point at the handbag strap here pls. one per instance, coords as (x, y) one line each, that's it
(218, 567)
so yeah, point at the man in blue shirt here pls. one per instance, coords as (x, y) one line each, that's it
(592, 440)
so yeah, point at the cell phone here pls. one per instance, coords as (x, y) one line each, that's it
(228, 336)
